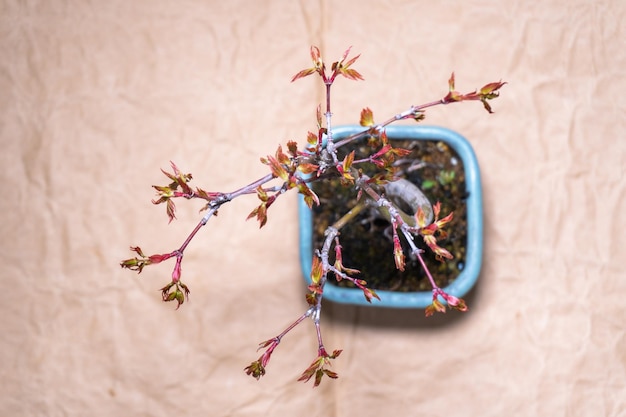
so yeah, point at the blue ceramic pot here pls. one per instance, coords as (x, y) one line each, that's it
(474, 249)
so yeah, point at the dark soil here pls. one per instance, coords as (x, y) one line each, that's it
(367, 246)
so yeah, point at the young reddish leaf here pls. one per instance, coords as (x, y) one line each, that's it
(204, 195)
(303, 73)
(340, 267)
(171, 210)
(318, 377)
(367, 117)
(352, 61)
(398, 256)
(164, 192)
(316, 270)
(384, 139)
(261, 193)
(461, 306)
(268, 342)
(292, 148)
(491, 88)
(307, 168)
(331, 374)
(315, 289)
(316, 56)
(347, 162)
(429, 237)
(420, 217)
(345, 54)
(179, 178)
(454, 302)
(382, 151)
(398, 253)
(311, 138)
(470, 96)
(318, 65)
(281, 156)
(441, 253)
(310, 371)
(344, 68)
(486, 105)
(318, 368)
(400, 152)
(318, 115)
(350, 271)
(137, 250)
(155, 259)
(339, 261)
(489, 92)
(351, 74)
(277, 169)
(369, 294)
(311, 299)
(255, 369)
(437, 209)
(442, 222)
(436, 306)
(310, 197)
(453, 96)
(260, 213)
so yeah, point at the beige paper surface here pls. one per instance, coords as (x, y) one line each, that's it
(96, 96)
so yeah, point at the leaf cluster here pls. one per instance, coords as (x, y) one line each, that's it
(341, 67)
(487, 92)
(320, 367)
(179, 187)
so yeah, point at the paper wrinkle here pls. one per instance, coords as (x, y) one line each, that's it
(96, 97)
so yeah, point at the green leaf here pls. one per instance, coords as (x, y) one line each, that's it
(428, 184)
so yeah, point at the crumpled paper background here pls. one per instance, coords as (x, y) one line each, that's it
(96, 96)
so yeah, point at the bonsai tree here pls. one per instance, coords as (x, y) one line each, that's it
(295, 168)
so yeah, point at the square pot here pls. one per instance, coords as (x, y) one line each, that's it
(473, 255)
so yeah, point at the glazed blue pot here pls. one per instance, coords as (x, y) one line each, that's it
(474, 245)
